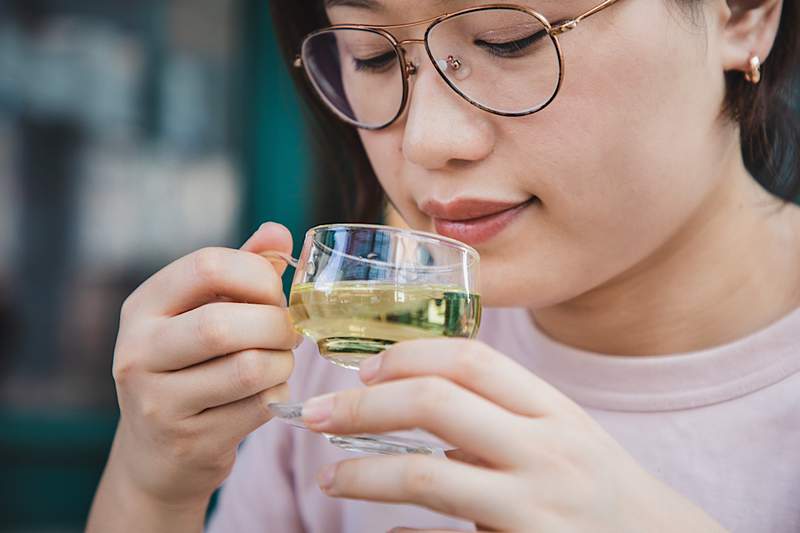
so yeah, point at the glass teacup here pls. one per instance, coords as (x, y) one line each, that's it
(358, 289)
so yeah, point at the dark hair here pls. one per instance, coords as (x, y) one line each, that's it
(768, 115)
(341, 162)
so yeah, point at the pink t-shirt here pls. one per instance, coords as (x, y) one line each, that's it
(720, 426)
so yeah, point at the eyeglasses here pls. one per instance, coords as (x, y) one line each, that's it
(502, 58)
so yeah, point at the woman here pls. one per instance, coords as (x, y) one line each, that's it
(639, 369)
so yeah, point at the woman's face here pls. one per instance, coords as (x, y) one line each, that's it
(631, 149)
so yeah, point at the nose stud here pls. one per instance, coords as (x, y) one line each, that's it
(456, 65)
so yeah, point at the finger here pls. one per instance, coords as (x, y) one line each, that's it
(458, 416)
(238, 419)
(271, 236)
(454, 489)
(226, 379)
(209, 275)
(473, 365)
(217, 329)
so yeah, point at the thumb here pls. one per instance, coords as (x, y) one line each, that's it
(271, 236)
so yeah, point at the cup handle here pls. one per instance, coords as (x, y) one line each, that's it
(280, 256)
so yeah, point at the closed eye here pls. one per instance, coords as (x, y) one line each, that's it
(375, 64)
(512, 48)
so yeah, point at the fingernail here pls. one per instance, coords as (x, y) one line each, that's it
(369, 368)
(267, 224)
(318, 410)
(325, 477)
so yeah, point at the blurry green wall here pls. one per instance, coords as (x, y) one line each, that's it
(276, 162)
(51, 465)
(51, 462)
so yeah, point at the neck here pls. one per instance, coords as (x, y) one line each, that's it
(728, 272)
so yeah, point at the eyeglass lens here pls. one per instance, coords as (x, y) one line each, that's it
(502, 59)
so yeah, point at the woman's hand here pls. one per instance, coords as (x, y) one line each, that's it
(203, 347)
(528, 458)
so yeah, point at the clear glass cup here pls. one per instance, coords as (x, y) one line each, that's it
(359, 288)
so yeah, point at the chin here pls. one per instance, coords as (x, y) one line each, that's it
(500, 290)
(509, 282)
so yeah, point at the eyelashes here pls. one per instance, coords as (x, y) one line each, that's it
(375, 64)
(514, 48)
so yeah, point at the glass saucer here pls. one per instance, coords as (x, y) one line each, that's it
(384, 444)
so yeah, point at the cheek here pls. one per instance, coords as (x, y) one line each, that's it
(640, 131)
(622, 160)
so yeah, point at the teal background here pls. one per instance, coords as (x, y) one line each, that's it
(274, 152)
(51, 462)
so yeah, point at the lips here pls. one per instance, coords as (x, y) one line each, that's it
(473, 221)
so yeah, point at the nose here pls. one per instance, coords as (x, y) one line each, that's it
(441, 128)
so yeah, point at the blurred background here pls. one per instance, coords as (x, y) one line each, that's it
(131, 133)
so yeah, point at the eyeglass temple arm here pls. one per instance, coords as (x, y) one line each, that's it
(571, 24)
(564, 27)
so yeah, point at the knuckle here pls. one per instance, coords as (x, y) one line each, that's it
(127, 308)
(155, 334)
(258, 370)
(347, 477)
(419, 477)
(430, 392)
(353, 408)
(556, 456)
(208, 264)
(250, 370)
(152, 413)
(122, 371)
(472, 361)
(213, 330)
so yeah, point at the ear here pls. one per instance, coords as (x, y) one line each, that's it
(748, 28)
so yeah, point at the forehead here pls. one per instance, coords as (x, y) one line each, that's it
(383, 5)
(409, 10)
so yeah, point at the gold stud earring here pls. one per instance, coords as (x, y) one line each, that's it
(753, 75)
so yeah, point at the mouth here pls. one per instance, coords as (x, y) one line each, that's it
(474, 222)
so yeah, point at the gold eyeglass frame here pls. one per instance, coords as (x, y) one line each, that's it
(408, 68)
